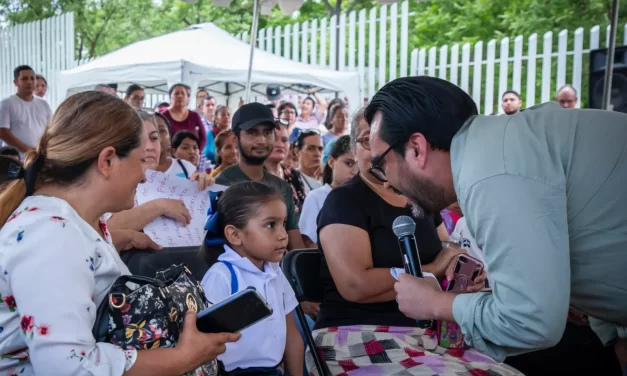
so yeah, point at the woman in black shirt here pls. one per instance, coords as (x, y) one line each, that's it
(359, 324)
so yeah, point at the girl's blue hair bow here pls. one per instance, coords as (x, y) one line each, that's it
(214, 235)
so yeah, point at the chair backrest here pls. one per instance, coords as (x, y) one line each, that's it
(146, 262)
(302, 269)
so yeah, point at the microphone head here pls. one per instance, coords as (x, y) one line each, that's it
(403, 226)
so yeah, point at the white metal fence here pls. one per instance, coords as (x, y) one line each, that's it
(375, 43)
(47, 46)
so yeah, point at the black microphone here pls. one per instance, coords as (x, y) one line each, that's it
(404, 228)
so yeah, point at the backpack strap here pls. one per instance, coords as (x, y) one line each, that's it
(183, 167)
(234, 285)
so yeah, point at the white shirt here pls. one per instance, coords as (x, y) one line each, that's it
(176, 170)
(462, 235)
(263, 344)
(309, 183)
(58, 270)
(309, 215)
(26, 120)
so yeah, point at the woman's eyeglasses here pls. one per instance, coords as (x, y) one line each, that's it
(364, 141)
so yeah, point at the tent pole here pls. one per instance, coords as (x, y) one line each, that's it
(253, 42)
(609, 65)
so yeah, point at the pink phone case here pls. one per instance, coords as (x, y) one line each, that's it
(466, 270)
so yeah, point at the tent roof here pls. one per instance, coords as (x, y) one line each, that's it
(203, 56)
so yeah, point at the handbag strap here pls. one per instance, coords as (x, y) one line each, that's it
(234, 284)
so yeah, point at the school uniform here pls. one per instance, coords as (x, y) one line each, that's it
(262, 345)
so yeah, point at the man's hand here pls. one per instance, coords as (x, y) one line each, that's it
(422, 298)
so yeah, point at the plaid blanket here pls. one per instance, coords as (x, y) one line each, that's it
(398, 351)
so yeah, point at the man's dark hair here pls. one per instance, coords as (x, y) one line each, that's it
(16, 71)
(285, 105)
(40, 77)
(510, 92)
(9, 151)
(428, 105)
(132, 88)
(179, 137)
(206, 98)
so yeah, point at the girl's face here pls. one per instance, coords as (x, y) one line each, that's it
(223, 118)
(229, 153)
(344, 168)
(152, 145)
(164, 136)
(264, 239)
(188, 150)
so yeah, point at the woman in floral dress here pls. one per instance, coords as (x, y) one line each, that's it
(57, 259)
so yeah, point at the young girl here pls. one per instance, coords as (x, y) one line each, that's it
(340, 168)
(250, 217)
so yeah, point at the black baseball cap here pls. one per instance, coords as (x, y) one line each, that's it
(251, 115)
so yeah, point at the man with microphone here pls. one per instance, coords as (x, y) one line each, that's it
(544, 193)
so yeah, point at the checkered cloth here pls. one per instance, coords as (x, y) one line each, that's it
(398, 351)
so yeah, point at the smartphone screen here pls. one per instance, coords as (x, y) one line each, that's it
(234, 314)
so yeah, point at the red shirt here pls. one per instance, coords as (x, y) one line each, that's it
(192, 124)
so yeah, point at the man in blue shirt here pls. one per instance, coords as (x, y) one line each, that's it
(543, 192)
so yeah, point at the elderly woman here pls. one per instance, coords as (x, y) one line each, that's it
(360, 325)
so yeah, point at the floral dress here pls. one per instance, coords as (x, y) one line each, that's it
(55, 270)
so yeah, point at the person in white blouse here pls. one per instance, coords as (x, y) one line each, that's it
(57, 259)
(340, 168)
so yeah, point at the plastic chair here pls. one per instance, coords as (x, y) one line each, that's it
(302, 269)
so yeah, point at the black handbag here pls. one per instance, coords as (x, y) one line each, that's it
(147, 313)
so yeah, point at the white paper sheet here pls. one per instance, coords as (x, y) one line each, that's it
(166, 231)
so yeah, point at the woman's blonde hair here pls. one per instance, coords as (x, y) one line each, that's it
(83, 125)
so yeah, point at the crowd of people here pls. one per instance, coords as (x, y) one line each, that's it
(317, 177)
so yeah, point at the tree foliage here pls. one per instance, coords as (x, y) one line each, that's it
(105, 25)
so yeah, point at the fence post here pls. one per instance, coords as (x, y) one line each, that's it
(518, 57)
(465, 66)
(489, 78)
(454, 63)
(314, 43)
(361, 52)
(476, 76)
(304, 49)
(443, 61)
(393, 40)
(383, 21)
(503, 67)
(577, 62)
(562, 50)
(547, 50)
(352, 20)
(372, 45)
(532, 51)
(404, 37)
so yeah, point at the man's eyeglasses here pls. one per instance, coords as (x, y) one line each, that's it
(376, 169)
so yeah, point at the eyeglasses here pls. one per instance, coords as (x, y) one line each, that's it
(376, 169)
(364, 141)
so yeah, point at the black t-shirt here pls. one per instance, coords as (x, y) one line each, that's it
(355, 204)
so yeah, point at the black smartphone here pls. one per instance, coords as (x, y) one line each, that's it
(234, 314)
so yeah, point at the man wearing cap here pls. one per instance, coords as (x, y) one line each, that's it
(253, 125)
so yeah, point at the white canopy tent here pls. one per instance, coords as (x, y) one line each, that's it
(205, 56)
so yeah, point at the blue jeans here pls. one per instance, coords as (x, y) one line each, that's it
(310, 324)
